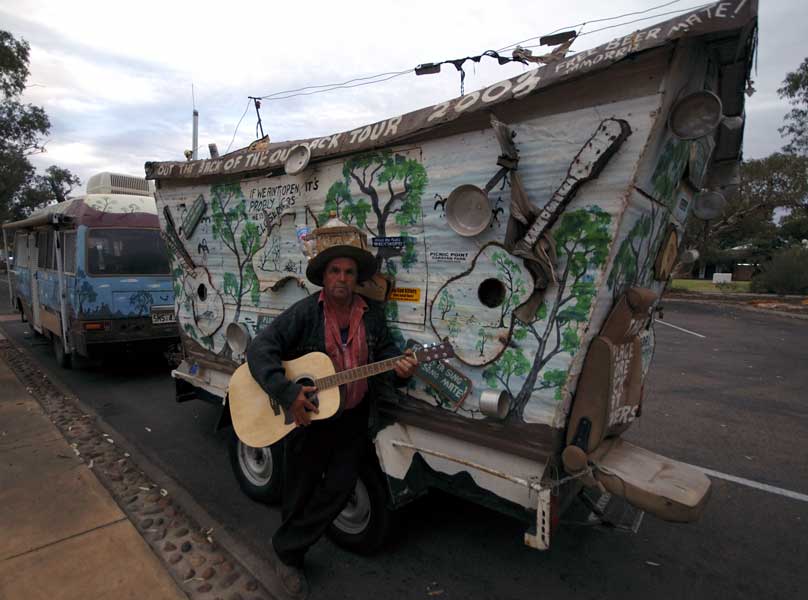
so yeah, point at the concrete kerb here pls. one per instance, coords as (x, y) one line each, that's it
(241, 553)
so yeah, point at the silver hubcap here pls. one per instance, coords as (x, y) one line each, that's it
(255, 463)
(355, 517)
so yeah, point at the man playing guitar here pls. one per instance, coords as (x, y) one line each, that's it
(323, 456)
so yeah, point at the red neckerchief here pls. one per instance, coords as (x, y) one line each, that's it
(354, 353)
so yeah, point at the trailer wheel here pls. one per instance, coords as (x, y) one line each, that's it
(364, 524)
(62, 358)
(257, 470)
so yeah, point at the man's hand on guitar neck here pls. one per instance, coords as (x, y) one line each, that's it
(405, 368)
(302, 406)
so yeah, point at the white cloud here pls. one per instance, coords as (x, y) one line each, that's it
(115, 77)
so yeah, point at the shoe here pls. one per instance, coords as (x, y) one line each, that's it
(293, 580)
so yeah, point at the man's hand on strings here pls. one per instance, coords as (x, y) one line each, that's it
(302, 406)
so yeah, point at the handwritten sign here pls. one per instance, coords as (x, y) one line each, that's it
(405, 294)
(442, 377)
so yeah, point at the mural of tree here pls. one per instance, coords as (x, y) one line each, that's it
(669, 170)
(446, 302)
(378, 175)
(239, 235)
(85, 293)
(141, 301)
(582, 238)
(515, 286)
(271, 259)
(634, 259)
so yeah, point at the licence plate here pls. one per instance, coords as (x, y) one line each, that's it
(160, 317)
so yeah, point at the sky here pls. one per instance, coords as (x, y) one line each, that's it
(119, 81)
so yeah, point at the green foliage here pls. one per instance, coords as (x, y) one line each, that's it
(252, 284)
(570, 340)
(388, 168)
(785, 274)
(230, 285)
(410, 255)
(176, 279)
(22, 127)
(446, 303)
(795, 89)
(515, 286)
(512, 362)
(669, 170)
(453, 327)
(519, 333)
(554, 378)
(481, 340)
(746, 230)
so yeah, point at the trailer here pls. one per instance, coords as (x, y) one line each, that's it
(533, 224)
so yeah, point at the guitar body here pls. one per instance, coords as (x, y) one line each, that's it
(254, 419)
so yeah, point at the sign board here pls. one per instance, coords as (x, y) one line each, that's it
(405, 294)
(442, 377)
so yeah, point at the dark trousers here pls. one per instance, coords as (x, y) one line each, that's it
(320, 472)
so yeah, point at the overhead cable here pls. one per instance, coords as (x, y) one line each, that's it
(631, 14)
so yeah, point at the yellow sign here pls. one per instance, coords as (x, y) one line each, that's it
(405, 294)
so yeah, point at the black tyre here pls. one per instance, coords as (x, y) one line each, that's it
(63, 359)
(258, 470)
(365, 523)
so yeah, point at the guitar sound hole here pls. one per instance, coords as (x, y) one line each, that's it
(202, 292)
(308, 381)
(491, 292)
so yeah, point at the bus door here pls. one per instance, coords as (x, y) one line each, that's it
(33, 268)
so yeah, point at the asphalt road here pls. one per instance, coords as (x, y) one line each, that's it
(733, 401)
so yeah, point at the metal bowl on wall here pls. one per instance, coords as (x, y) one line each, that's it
(298, 159)
(709, 205)
(238, 337)
(695, 115)
(468, 211)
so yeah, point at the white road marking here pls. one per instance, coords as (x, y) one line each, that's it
(754, 484)
(679, 328)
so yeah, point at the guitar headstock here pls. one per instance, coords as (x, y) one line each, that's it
(432, 352)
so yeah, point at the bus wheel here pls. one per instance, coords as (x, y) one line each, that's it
(62, 358)
(365, 522)
(259, 471)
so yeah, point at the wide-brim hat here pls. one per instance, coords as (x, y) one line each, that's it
(366, 262)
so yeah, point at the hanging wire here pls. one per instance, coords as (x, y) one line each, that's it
(383, 77)
(238, 125)
(631, 14)
(334, 85)
(672, 12)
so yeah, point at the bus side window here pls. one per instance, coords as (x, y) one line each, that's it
(42, 248)
(21, 250)
(69, 251)
(51, 262)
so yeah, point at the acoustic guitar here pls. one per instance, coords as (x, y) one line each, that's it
(259, 422)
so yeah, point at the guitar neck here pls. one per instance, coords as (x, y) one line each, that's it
(356, 374)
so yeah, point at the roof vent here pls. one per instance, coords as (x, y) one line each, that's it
(115, 183)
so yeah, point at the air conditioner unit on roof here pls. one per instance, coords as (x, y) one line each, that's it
(115, 183)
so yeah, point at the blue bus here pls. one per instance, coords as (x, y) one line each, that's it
(92, 273)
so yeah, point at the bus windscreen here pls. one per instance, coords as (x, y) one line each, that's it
(126, 252)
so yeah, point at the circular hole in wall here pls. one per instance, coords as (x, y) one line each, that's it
(491, 292)
(202, 292)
